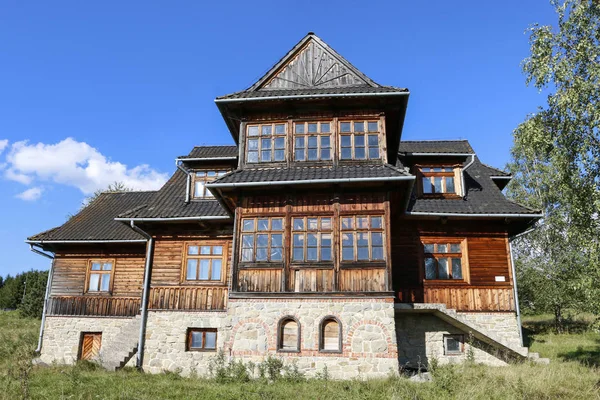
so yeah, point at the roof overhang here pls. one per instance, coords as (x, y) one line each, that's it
(310, 96)
(174, 219)
(40, 242)
(208, 159)
(464, 215)
(436, 154)
(307, 182)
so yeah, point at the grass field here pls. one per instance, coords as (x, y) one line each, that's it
(573, 374)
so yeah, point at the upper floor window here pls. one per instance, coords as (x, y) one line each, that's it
(311, 239)
(312, 141)
(443, 260)
(204, 262)
(362, 238)
(438, 180)
(359, 140)
(100, 273)
(201, 178)
(262, 240)
(265, 142)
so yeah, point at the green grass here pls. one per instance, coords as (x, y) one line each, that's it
(568, 377)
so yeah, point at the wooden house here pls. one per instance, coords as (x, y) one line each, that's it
(319, 236)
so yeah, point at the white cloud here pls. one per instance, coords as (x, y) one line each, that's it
(77, 164)
(3, 144)
(31, 194)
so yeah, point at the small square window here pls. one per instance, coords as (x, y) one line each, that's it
(201, 339)
(453, 345)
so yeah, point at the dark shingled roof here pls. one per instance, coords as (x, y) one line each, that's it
(315, 92)
(483, 197)
(169, 202)
(435, 146)
(494, 171)
(310, 173)
(212, 152)
(96, 221)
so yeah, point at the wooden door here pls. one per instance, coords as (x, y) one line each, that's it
(90, 346)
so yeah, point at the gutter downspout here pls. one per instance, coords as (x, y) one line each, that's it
(146, 289)
(514, 274)
(462, 175)
(46, 296)
(187, 182)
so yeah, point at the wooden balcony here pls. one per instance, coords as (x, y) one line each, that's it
(462, 299)
(189, 298)
(94, 306)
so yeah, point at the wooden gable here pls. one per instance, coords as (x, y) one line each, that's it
(312, 64)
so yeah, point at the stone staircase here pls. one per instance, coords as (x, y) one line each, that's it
(115, 354)
(510, 350)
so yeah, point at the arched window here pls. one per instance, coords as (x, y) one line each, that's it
(330, 335)
(289, 335)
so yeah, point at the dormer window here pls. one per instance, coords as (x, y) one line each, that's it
(265, 143)
(439, 181)
(201, 178)
(359, 140)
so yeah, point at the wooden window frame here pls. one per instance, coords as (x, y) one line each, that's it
(461, 340)
(306, 135)
(270, 232)
(464, 257)
(326, 319)
(89, 273)
(455, 174)
(305, 232)
(272, 136)
(280, 326)
(354, 231)
(188, 340)
(206, 179)
(204, 243)
(366, 133)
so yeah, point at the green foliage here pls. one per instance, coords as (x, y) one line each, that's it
(25, 292)
(556, 165)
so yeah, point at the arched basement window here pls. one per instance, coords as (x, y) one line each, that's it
(330, 335)
(289, 335)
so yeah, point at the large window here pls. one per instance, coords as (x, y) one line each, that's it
(288, 335)
(204, 262)
(201, 339)
(312, 141)
(362, 238)
(359, 140)
(443, 260)
(265, 143)
(311, 239)
(262, 240)
(201, 178)
(438, 180)
(330, 335)
(100, 273)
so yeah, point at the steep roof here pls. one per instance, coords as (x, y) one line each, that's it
(212, 152)
(408, 147)
(96, 221)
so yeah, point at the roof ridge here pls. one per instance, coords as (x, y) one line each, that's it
(216, 145)
(434, 140)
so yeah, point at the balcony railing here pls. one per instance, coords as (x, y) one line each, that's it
(94, 306)
(462, 299)
(190, 298)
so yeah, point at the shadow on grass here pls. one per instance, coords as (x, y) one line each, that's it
(588, 357)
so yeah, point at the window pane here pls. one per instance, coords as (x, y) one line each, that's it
(430, 268)
(196, 340)
(429, 248)
(215, 273)
(248, 225)
(311, 240)
(107, 266)
(263, 224)
(211, 174)
(326, 224)
(456, 268)
(452, 345)
(362, 222)
(299, 155)
(253, 130)
(276, 254)
(289, 335)
(312, 128)
(265, 155)
(442, 248)
(373, 127)
(325, 154)
(311, 254)
(205, 250)
(298, 224)
(373, 152)
(359, 141)
(326, 254)
(347, 223)
(105, 282)
(347, 253)
(279, 155)
(345, 127)
(326, 239)
(331, 336)
(377, 239)
(247, 241)
(437, 169)
(262, 240)
(359, 153)
(252, 156)
(377, 253)
(217, 250)
(376, 222)
(261, 254)
(443, 268)
(266, 130)
(96, 266)
(204, 267)
(276, 240)
(455, 248)
(247, 254)
(280, 143)
(363, 253)
(313, 154)
(325, 141)
(191, 270)
(298, 254)
(312, 223)
(300, 128)
(298, 240)
(253, 144)
(362, 239)
(276, 224)
(211, 340)
(325, 127)
(346, 141)
(279, 129)
(359, 126)
(199, 189)
(312, 142)
(450, 185)
(346, 154)
(300, 143)
(427, 186)
(437, 182)
(94, 282)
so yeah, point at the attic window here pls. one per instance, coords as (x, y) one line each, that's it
(439, 180)
(359, 140)
(201, 178)
(265, 143)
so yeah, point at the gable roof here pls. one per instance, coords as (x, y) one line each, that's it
(96, 221)
(409, 147)
(210, 152)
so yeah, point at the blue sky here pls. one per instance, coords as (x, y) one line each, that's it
(92, 92)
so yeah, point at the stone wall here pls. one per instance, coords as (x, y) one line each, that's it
(248, 332)
(504, 326)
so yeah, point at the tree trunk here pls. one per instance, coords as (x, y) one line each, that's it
(558, 319)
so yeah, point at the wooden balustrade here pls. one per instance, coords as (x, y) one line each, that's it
(462, 299)
(102, 306)
(188, 298)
